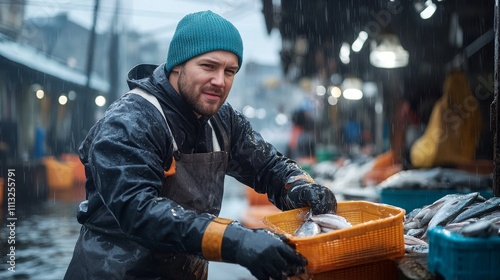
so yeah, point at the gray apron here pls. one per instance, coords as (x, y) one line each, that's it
(198, 184)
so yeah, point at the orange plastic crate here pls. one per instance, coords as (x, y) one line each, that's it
(377, 234)
(59, 174)
(379, 270)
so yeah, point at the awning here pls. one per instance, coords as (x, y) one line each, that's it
(36, 60)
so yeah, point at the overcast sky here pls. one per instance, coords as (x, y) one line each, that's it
(158, 18)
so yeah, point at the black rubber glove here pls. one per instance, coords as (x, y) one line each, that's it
(305, 194)
(264, 253)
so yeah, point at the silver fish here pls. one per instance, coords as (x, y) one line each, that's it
(409, 216)
(326, 230)
(491, 216)
(482, 228)
(493, 220)
(421, 213)
(331, 221)
(435, 207)
(308, 228)
(411, 225)
(457, 227)
(416, 249)
(451, 208)
(415, 232)
(410, 179)
(479, 209)
(410, 240)
(436, 178)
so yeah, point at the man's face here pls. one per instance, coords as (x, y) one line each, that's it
(205, 81)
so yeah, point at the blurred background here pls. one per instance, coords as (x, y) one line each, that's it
(342, 87)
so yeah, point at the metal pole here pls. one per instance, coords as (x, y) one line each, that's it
(114, 54)
(90, 55)
(494, 113)
(84, 108)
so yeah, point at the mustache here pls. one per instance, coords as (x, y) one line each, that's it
(212, 89)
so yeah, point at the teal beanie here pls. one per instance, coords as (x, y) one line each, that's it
(203, 32)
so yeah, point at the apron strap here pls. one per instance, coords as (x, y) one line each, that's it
(220, 129)
(153, 100)
(216, 145)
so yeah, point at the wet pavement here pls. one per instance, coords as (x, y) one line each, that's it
(45, 234)
(46, 231)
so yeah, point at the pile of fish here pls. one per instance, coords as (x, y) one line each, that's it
(438, 178)
(468, 214)
(321, 223)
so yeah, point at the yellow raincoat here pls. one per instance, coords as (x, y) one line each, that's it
(453, 130)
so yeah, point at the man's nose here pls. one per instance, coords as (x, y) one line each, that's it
(218, 78)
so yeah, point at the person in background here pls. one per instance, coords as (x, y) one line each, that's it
(301, 146)
(396, 158)
(452, 133)
(39, 146)
(155, 166)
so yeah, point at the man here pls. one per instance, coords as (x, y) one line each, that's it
(155, 166)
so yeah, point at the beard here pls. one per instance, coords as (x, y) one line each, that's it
(195, 100)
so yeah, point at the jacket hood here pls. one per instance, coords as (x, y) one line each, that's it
(140, 76)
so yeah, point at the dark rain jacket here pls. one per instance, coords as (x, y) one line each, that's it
(127, 226)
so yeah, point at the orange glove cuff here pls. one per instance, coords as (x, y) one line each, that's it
(211, 242)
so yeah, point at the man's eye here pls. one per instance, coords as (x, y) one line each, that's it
(209, 66)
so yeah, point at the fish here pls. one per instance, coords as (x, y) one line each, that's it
(415, 232)
(494, 219)
(454, 212)
(451, 209)
(331, 221)
(481, 228)
(326, 230)
(422, 213)
(410, 216)
(432, 209)
(411, 225)
(416, 249)
(479, 209)
(414, 245)
(410, 179)
(490, 216)
(437, 178)
(421, 218)
(321, 223)
(308, 228)
(411, 240)
(457, 227)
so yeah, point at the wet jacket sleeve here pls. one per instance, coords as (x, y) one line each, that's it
(255, 162)
(124, 155)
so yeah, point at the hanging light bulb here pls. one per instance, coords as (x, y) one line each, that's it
(352, 88)
(389, 53)
(429, 10)
(426, 8)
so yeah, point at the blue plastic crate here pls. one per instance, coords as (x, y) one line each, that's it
(410, 199)
(456, 257)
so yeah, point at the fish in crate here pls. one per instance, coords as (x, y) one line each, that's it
(321, 223)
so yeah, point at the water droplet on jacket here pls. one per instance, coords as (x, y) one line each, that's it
(174, 213)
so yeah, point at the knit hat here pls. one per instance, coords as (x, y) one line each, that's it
(203, 32)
